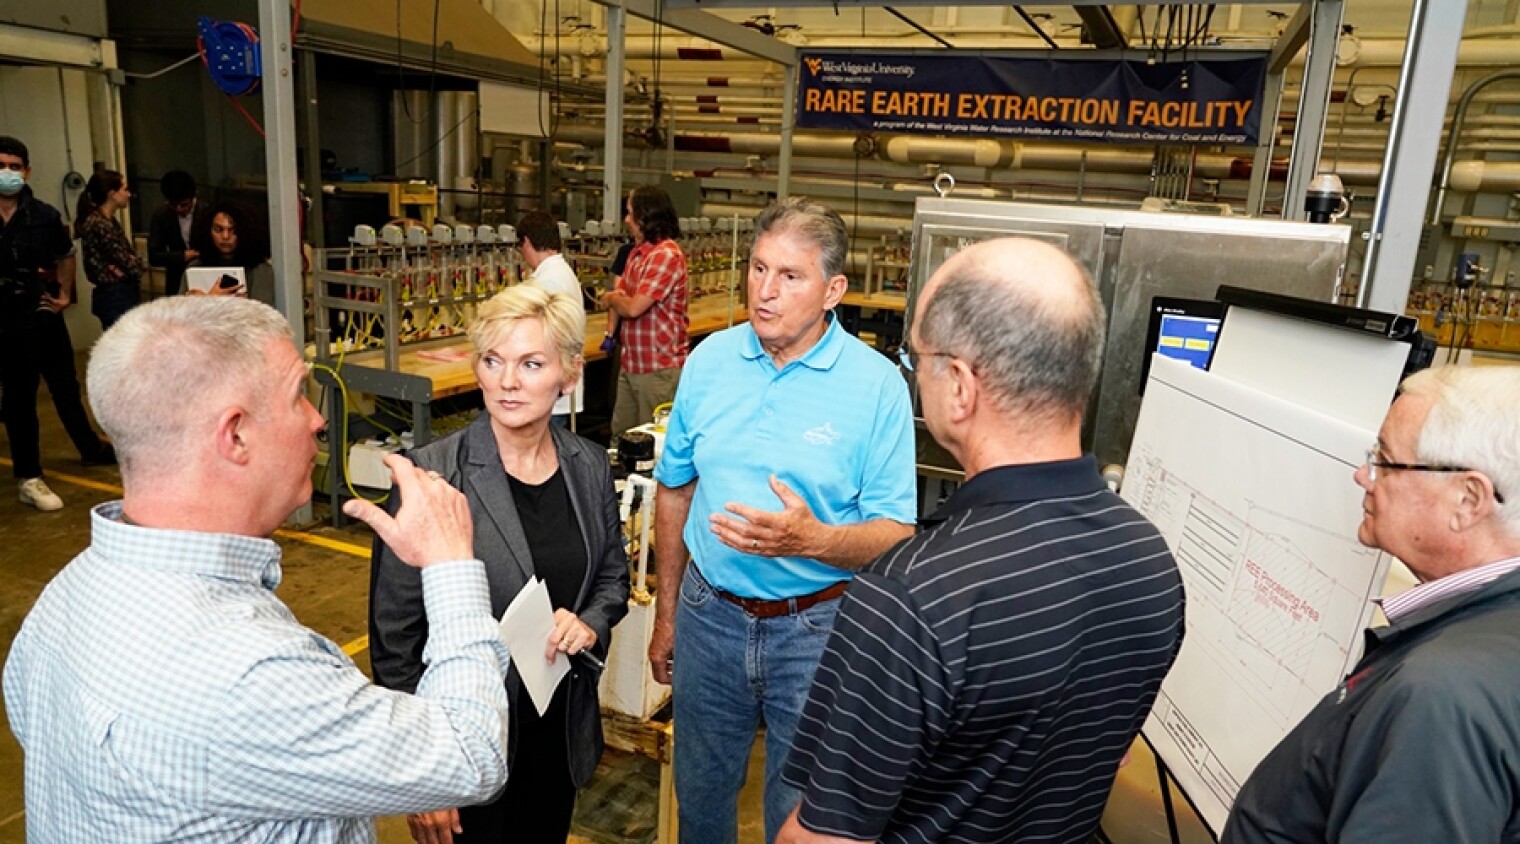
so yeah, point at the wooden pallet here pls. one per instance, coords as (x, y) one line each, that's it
(654, 738)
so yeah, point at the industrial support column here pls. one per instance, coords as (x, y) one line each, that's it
(314, 216)
(280, 172)
(788, 125)
(1313, 103)
(612, 150)
(280, 164)
(1266, 142)
(1393, 238)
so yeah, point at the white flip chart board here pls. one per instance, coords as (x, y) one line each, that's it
(1255, 498)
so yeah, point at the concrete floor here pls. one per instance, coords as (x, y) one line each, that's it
(327, 589)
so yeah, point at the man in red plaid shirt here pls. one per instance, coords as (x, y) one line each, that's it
(650, 303)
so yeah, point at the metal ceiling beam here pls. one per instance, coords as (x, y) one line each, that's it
(687, 18)
(1102, 29)
(50, 48)
(1293, 38)
(1036, 27)
(918, 26)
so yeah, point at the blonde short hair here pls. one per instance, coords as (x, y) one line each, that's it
(563, 318)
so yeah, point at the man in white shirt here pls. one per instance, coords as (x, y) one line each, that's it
(539, 241)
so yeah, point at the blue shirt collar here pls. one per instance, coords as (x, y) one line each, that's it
(228, 556)
(1021, 484)
(822, 356)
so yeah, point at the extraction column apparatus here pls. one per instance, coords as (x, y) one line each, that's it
(386, 306)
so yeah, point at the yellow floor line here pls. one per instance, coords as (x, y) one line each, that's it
(293, 535)
(354, 647)
(324, 542)
(16, 817)
(75, 480)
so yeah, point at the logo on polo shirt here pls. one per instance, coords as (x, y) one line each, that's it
(822, 435)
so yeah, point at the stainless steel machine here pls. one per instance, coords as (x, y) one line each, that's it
(1134, 256)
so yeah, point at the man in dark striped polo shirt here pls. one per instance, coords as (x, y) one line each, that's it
(985, 678)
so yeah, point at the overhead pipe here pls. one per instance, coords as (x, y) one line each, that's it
(1375, 52)
(1490, 176)
(983, 152)
(1456, 130)
(719, 81)
(694, 100)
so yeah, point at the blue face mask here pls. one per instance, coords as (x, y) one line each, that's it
(11, 182)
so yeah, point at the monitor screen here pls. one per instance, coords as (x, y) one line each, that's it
(1185, 329)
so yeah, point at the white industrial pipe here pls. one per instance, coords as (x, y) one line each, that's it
(978, 152)
(1501, 176)
(1374, 52)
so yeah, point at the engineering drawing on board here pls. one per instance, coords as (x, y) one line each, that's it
(1255, 499)
(1257, 599)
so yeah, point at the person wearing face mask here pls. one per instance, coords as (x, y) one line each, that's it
(110, 262)
(543, 506)
(36, 285)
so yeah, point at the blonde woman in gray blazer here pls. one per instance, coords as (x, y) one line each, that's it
(543, 505)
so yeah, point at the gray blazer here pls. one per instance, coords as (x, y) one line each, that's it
(470, 460)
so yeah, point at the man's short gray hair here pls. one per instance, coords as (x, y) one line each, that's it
(151, 375)
(1037, 353)
(815, 222)
(1474, 422)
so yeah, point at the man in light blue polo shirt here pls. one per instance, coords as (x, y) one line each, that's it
(788, 463)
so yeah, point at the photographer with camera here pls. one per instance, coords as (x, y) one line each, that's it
(36, 284)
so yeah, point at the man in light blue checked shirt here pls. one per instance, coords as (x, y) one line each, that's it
(162, 692)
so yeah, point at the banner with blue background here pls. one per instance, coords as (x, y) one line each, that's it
(1203, 101)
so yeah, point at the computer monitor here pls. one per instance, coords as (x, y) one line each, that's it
(1185, 329)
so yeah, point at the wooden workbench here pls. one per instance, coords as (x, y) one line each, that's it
(886, 321)
(450, 378)
(878, 301)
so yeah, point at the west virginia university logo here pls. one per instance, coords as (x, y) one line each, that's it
(814, 65)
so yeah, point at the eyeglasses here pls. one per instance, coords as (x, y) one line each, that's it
(1376, 461)
(908, 358)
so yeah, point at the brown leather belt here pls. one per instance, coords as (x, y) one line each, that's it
(760, 608)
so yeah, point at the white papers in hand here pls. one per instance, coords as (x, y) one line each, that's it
(525, 629)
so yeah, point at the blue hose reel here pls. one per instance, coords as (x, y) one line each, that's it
(230, 51)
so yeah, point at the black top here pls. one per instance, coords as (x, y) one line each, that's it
(1004, 659)
(554, 539)
(471, 461)
(167, 245)
(31, 244)
(620, 261)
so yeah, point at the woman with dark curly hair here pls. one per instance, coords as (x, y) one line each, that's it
(110, 262)
(231, 235)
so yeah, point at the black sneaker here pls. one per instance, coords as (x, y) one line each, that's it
(104, 456)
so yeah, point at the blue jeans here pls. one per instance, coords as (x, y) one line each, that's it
(732, 671)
